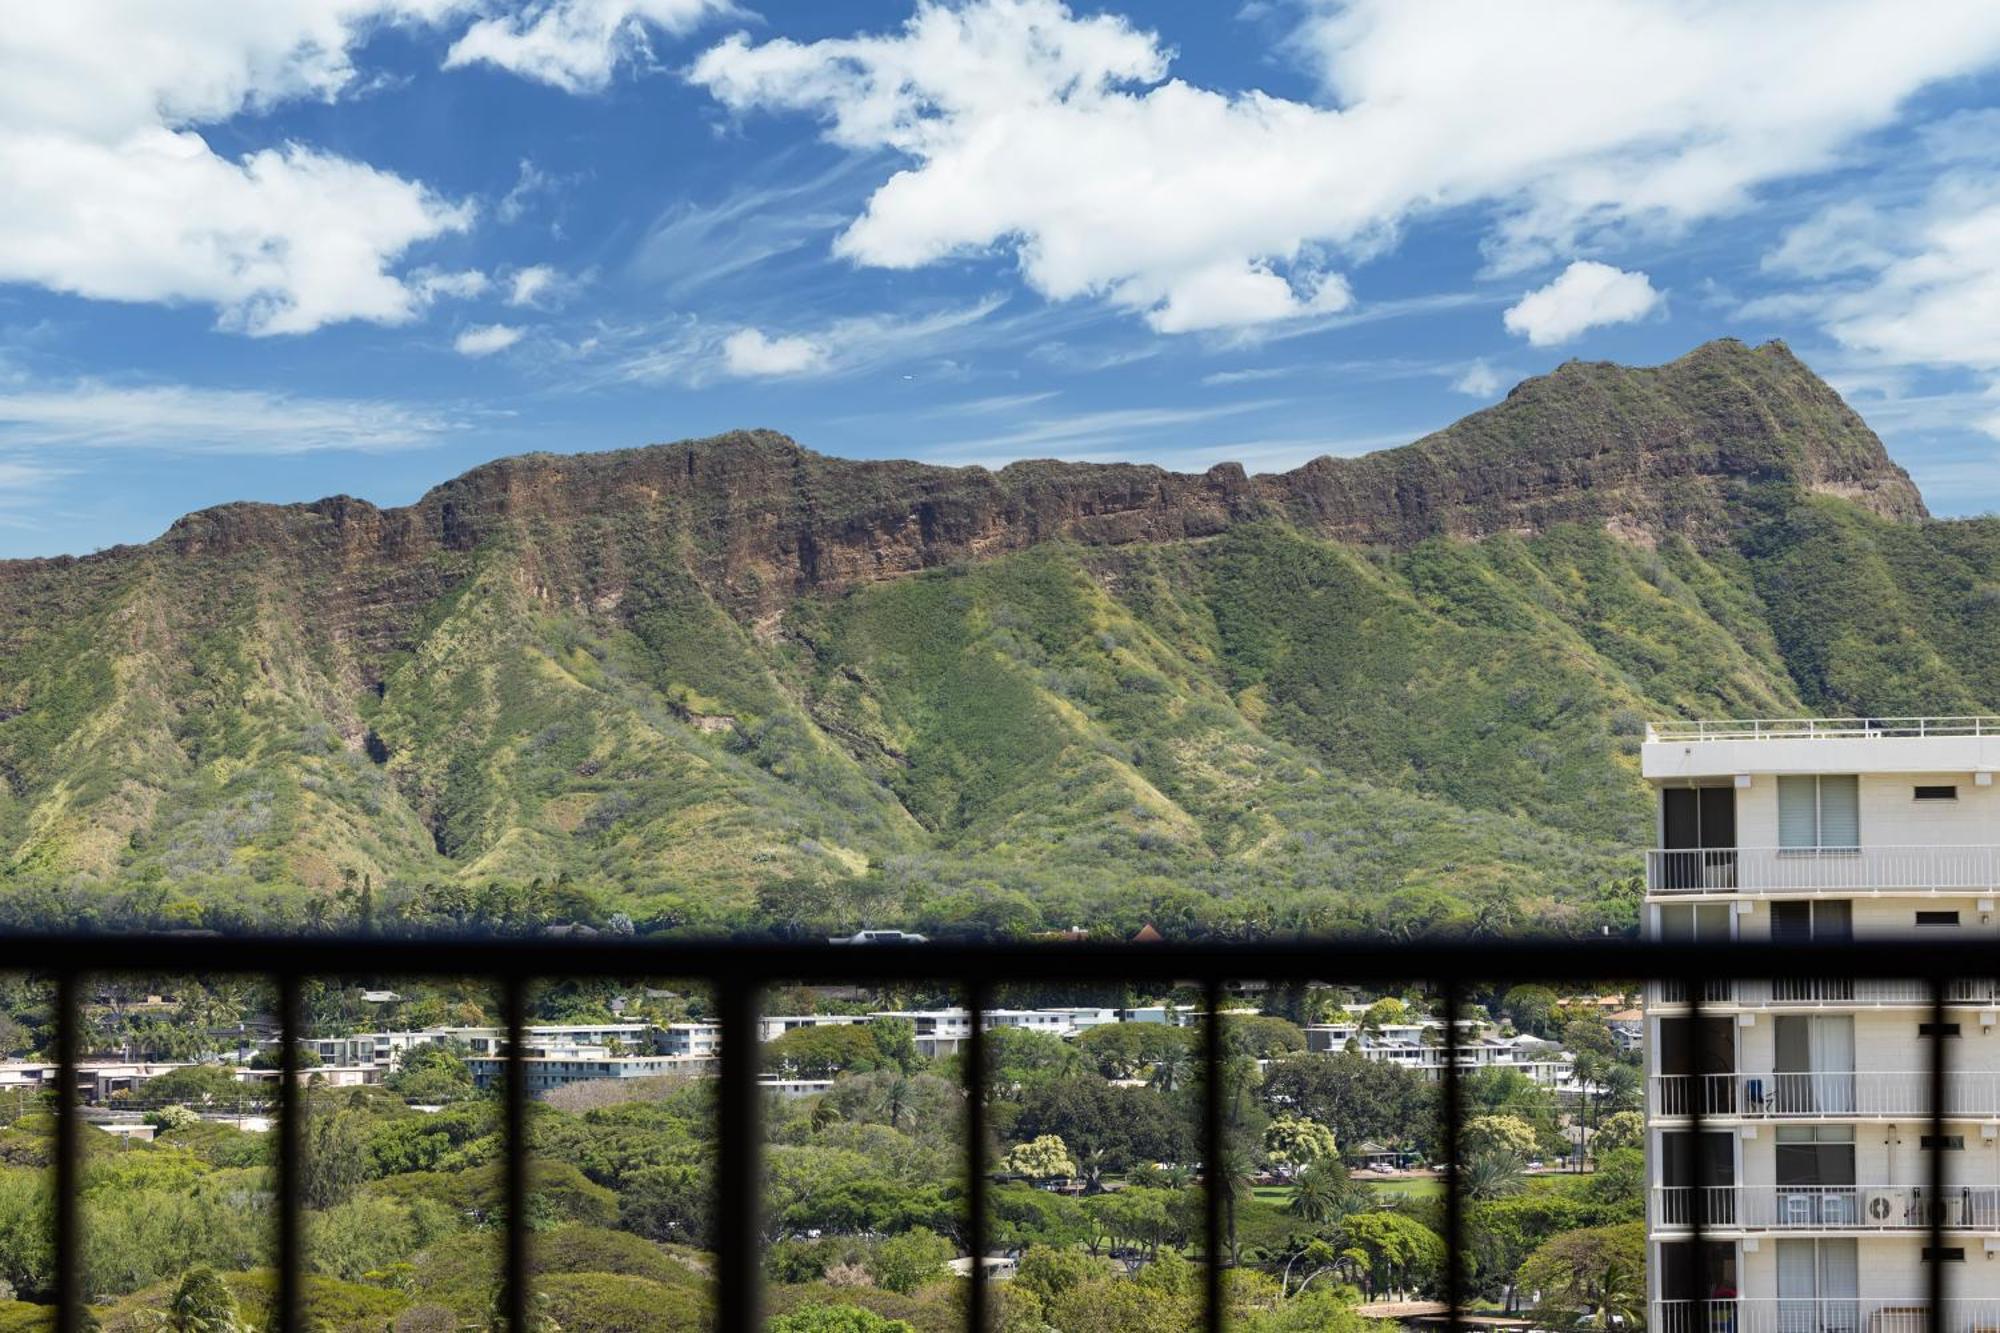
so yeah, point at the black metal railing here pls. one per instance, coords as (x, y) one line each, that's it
(737, 972)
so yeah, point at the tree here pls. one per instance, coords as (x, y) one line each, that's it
(667, 1203)
(1043, 1158)
(1324, 1193)
(1124, 1125)
(905, 1262)
(835, 1319)
(1385, 1013)
(170, 1118)
(336, 1156)
(1493, 1173)
(1357, 1098)
(1500, 1133)
(202, 1303)
(433, 1074)
(1590, 1278)
(1295, 1141)
(1262, 1036)
(1529, 1007)
(822, 1051)
(1395, 1252)
(896, 1041)
(1049, 1272)
(197, 1085)
(1621, 1129)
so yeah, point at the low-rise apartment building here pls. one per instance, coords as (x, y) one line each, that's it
(1811, 1176)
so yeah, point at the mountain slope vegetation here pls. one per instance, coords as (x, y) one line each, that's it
(731, 682)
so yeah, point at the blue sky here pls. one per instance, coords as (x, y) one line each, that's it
(281, 251)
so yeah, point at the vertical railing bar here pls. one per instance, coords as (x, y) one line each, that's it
(516, 1288)
(1454, 1199)
(1934, 1270)
(292, 1139)
(69, 1163)
(973, 1066)
(1698, 1147)
(739, 1128)
(1215, 1171)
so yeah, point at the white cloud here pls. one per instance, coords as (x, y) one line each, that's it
(748, 352)
(529, 181)
(1916, 286)
(434, 285)
(485, 339)
(1061, 137)
(531, 285)
(576, 45)
(113, 194)
(94, 414)
(1585, 295)
(1479, 380)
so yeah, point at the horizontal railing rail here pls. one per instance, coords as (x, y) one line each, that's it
(1825, 992)
(1852, 1314)
(737, 971)
(1819, 728)
(1828, 1207)
(1929, 868)
(1868, 1094)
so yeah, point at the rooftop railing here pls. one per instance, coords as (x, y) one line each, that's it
(1820, 728)
(737, 972)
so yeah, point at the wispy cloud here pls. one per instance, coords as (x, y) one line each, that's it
(90, 414)
(695, 353)
(1074, 435)
(692, 246)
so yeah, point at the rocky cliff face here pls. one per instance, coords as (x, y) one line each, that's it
(719, 663)
(1642, 452)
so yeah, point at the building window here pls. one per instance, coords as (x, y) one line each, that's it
(1937, 1029)
(1949, 1254)
(1943, 1143)
(1937, 793)
(1937, 918)
(1819, 813)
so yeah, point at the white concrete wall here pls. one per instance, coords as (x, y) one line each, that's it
(1891, 816)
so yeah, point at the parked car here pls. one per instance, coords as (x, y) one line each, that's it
(881, 937)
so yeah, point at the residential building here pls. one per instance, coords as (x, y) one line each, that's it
(1812, 1171)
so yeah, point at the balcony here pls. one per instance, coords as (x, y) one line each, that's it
(1839, 993)
(1824, 1208)
(1852, 870)
(1863, 1314)
(1866, 1095)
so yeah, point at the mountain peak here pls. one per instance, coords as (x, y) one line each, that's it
(1641, 450)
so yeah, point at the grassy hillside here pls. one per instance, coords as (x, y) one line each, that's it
(732, 683)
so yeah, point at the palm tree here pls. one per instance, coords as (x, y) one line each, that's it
(1493, 1175)
(1322, 1193)
(1171, 1068)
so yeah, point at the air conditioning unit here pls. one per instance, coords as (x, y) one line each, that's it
(1885, 1207)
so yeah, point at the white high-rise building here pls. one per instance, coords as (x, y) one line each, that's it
(1813, 1177)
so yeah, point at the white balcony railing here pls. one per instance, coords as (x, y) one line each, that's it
(1862, 1314)
(1867, 1095)
(1828, 1207)
(1825, 992)
(1821, 728)
(1921, 869)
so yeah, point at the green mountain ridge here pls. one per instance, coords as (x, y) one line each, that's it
(731, 681)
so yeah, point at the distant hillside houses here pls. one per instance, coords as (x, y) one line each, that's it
(1417, 1044)
(559, 1055)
